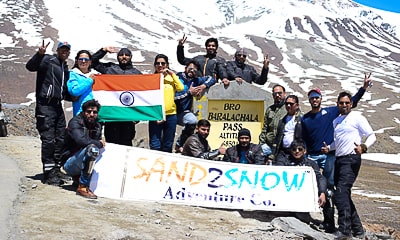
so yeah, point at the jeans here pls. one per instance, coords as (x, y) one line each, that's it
(346, 172)
(266, 149)
(186, 117)
(327, 163)
(162, 135)
(74, 166)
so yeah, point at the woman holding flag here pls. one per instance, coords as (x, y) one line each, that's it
(162, 133)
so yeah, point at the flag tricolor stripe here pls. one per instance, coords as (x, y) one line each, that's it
(119, 114)
(140, 98)
(108, 82)
(130, 97)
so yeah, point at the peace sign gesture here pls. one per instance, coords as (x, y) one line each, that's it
(182, 40)
(42, 49)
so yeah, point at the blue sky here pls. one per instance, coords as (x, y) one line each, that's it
(387, 5)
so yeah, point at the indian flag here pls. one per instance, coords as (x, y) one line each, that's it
(129, 97)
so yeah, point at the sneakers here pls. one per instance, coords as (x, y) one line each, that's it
(84, 191)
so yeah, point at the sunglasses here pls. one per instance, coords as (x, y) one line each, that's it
(290, 104)
(241, 55)
(160, 63)
(344, 103)
(295, 149)
(84, 59)
(277, 93)
(91, 111)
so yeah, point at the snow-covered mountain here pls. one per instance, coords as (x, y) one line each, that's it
(327, 43)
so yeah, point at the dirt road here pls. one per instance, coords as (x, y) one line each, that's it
(47, 212)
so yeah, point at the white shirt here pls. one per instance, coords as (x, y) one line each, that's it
(349, 129)
(288, 133)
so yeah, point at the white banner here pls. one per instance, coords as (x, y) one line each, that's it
(140, 174)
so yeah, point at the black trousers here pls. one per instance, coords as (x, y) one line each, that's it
(50, 122)
(120, 132)
(346, 172)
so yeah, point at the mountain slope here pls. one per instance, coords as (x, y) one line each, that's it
(328, 44)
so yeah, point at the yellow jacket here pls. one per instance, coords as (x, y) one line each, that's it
(171, 84)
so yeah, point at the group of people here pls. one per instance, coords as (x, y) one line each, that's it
(330, 139)
(327, 138)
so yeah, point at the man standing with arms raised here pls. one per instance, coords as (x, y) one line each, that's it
(117, 132)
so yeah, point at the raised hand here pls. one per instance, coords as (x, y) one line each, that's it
(42, 49)
(367, 80)
(182, 40)
(266, 61)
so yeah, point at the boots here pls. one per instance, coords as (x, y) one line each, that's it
(84, 191)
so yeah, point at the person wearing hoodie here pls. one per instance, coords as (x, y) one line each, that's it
(81, 79)
(210, 63)
(240, 71)
(117, 132)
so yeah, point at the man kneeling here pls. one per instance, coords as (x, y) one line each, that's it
(81, 146)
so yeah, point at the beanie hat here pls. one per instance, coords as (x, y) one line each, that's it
(244, 132)
(125, 51)
(241, 51)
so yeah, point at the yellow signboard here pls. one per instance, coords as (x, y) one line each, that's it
(227, 117)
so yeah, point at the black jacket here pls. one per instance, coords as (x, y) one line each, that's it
(52, 76)
(290, 161)
(110, 67)
(254, 154)
(210, 65)
(198, 147)
(246, 72)
(79, 135)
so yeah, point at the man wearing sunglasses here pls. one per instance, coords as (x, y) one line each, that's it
(272, 116)
(194, 86)
(318, 133)
(81, 146)
(117, 132)
(289, 129)
(350, 128)
(240, 71)
(297, 157)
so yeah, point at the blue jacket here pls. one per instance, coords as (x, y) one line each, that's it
(79, 85)
(318, 127)
(184, 99)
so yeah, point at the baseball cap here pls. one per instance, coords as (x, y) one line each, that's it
(315, 92)
(64, 44)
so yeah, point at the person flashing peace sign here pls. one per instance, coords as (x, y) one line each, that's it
(51, 89)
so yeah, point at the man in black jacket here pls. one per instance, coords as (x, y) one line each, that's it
(245, 152)
(117, 132)
(240, 71)
(51, 89)
(197, 145)
(297, 158)
(210, 64)
(81, 146)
